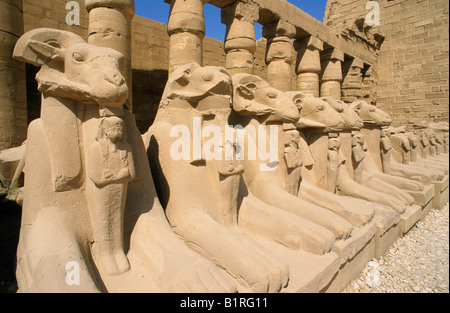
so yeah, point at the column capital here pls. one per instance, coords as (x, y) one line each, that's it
(279, 28)
(310, 43)
(186, 16)
(241, 10)
(126, 6)
(333, 55)
(280, 49)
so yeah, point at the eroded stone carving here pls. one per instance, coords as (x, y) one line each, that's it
(358, 155)
(306, 226)
(113, 229)
(318, 127)
(386, 148)
(406, 146)
(110, 166)
(206, 216)
(374, 120)
(346, 184)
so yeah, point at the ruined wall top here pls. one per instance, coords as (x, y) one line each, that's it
(273, 10)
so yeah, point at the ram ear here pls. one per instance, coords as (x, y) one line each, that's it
(297, 98)
(43, 45)
(245, 88)
(356, 106)
(46, 52)
(244, 102)
(246, 91)
(180, 83)
(182, 77)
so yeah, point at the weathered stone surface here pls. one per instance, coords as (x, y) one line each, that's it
(410, 79)
(344, 184)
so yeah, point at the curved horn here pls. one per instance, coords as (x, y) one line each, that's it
(42, 45)
(297, 97)
(243, 95)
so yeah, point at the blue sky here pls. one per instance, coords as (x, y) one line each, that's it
(158, 10)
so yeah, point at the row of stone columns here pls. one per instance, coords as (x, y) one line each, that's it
(319, 72)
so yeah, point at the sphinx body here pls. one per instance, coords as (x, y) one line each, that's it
(374, 120)
(203, 210)
(325, 180)
(90, 203)
(406, 151)
(274, 183)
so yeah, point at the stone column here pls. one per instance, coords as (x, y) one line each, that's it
(240, 39)
(110, 26)
(331, 74)
(186, 30)
(279, 55)
(308, 65)
(353, 80)
(13, 91)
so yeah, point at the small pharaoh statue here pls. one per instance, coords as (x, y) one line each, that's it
(439, 144)
(386, 149)
(293, 157)
(334, 161)
(358, 155)
(433, 143)
(424, 141)
(110, 167)
(414, 142)
(406, 149)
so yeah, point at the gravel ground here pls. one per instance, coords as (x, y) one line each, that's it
(416, 263)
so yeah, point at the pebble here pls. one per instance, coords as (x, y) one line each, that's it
(416, 263)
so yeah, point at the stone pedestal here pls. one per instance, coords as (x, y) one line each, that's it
(441, 193)
(355, 254)
(308, 273)
(424, 198)
(409, 219)
(384, 239)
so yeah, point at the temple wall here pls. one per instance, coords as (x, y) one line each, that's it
(150, 55)
(410, 79)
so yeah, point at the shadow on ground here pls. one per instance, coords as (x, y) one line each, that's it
(10, 217)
